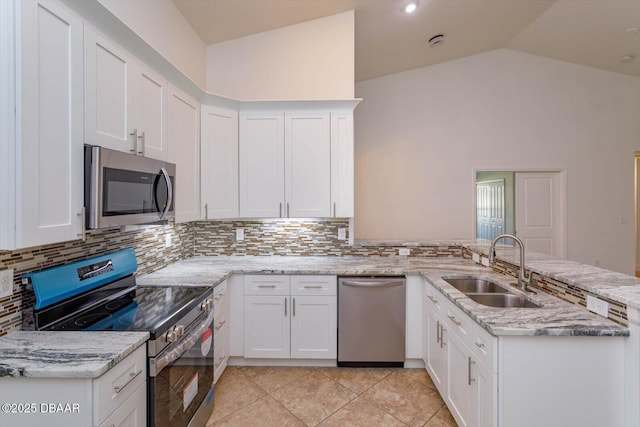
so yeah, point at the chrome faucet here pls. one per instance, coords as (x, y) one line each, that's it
(523, 280)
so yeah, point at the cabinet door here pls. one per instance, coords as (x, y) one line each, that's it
(109, 97)
(184, 151)
(461, 394)
(132, 413)
(342, 164)
(314, 327)
(487, 392)
(436, 360)
(50, 192)
(151, 117)
(219, 160)
(266, 326)
(261, 165)
(307, 165)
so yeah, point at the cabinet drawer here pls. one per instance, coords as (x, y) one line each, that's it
(133, 411)
(485, 345)
(116, 385)
(220, 322)
(266, 284)
(434, 298)
(220, 353)
(313, 285)
(459, 323)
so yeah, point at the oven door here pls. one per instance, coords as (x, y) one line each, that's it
(181, 380)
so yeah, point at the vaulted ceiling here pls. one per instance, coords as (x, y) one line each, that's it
(596, 33)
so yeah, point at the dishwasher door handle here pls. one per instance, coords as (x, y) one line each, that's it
(372, 283)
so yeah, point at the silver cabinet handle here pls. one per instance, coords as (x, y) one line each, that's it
(285, 306)
(217, 328)
(134, 134)
(334, 209)
(169, 192)
(206, 211)
(293, 309)
(479, 345)
(469, 379)
(266, 286)
(312, 287)
(83, 219)
(132, 376)
(288, 210)
(435, 301)
(438, 332)
(453, 319)
(141, 137)
(280, 210)
(442, 331)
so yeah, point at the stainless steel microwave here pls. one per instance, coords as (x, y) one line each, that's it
(125, 189)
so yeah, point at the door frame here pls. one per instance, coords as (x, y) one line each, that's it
(562, 197)
(636, 202)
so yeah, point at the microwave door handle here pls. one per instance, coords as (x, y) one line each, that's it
(169, 192)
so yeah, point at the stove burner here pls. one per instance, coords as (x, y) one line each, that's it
(91, 318)
(117, 304)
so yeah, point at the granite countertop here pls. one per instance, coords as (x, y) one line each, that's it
(62, 354)
(556, 317)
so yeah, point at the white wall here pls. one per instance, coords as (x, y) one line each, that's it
(420, 134)
(312, 60)
(165, 29)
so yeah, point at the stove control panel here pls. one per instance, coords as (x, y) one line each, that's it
(174, 333)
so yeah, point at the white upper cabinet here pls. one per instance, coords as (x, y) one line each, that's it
(307, 165)
(48, 153)
(262, 164)
(342, 164)
(184, 151)
(219, 163)
(125, 101)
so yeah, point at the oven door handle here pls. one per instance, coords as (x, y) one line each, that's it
(177, 350)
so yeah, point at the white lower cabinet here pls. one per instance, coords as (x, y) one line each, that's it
(117, 398)
(290, 317)
(221, 344)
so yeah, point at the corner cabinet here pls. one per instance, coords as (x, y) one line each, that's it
(42, 156)
(219, 163)
(296, 163)
(184, 151)
(290, 317)
(125, 101)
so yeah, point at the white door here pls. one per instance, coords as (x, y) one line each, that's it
(110, 82)
(184, 151)
(490, 209)
(307, 165)
(151, 117)
(50, 201)
(342, 164)
(266, 326)
(219, 162)
(314, 327)
(540, 212)
(262, 165)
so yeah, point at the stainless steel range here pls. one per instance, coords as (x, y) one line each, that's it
(100, 294)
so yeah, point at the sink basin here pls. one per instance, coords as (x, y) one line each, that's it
(503, 300)
(474, 285)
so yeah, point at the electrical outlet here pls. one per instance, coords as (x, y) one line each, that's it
(239, 234)
(6, 283)
(475, 257)
(598, 306)
(167, 240)
(485, 261)
(342, 234)
(404, 252)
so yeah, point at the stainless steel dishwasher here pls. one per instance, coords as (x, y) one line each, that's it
(371, 321)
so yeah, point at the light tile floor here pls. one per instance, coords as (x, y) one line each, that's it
(296, 396)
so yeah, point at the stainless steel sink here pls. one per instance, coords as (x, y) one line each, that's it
(475, 285)
(503, 300)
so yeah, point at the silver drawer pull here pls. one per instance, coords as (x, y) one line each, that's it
(312, 287)
(132, 376)
(266, 286)
(469, 379)
(479, 344)
(435, 301)
(453, 319)
(217, 328)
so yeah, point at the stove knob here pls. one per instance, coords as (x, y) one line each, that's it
(210, 303)
(206, 305)
(179, 330)
(171, 336)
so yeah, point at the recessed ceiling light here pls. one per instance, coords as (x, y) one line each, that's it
(437, 39)
(632, 30)
(410, 8)
(627, 58)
